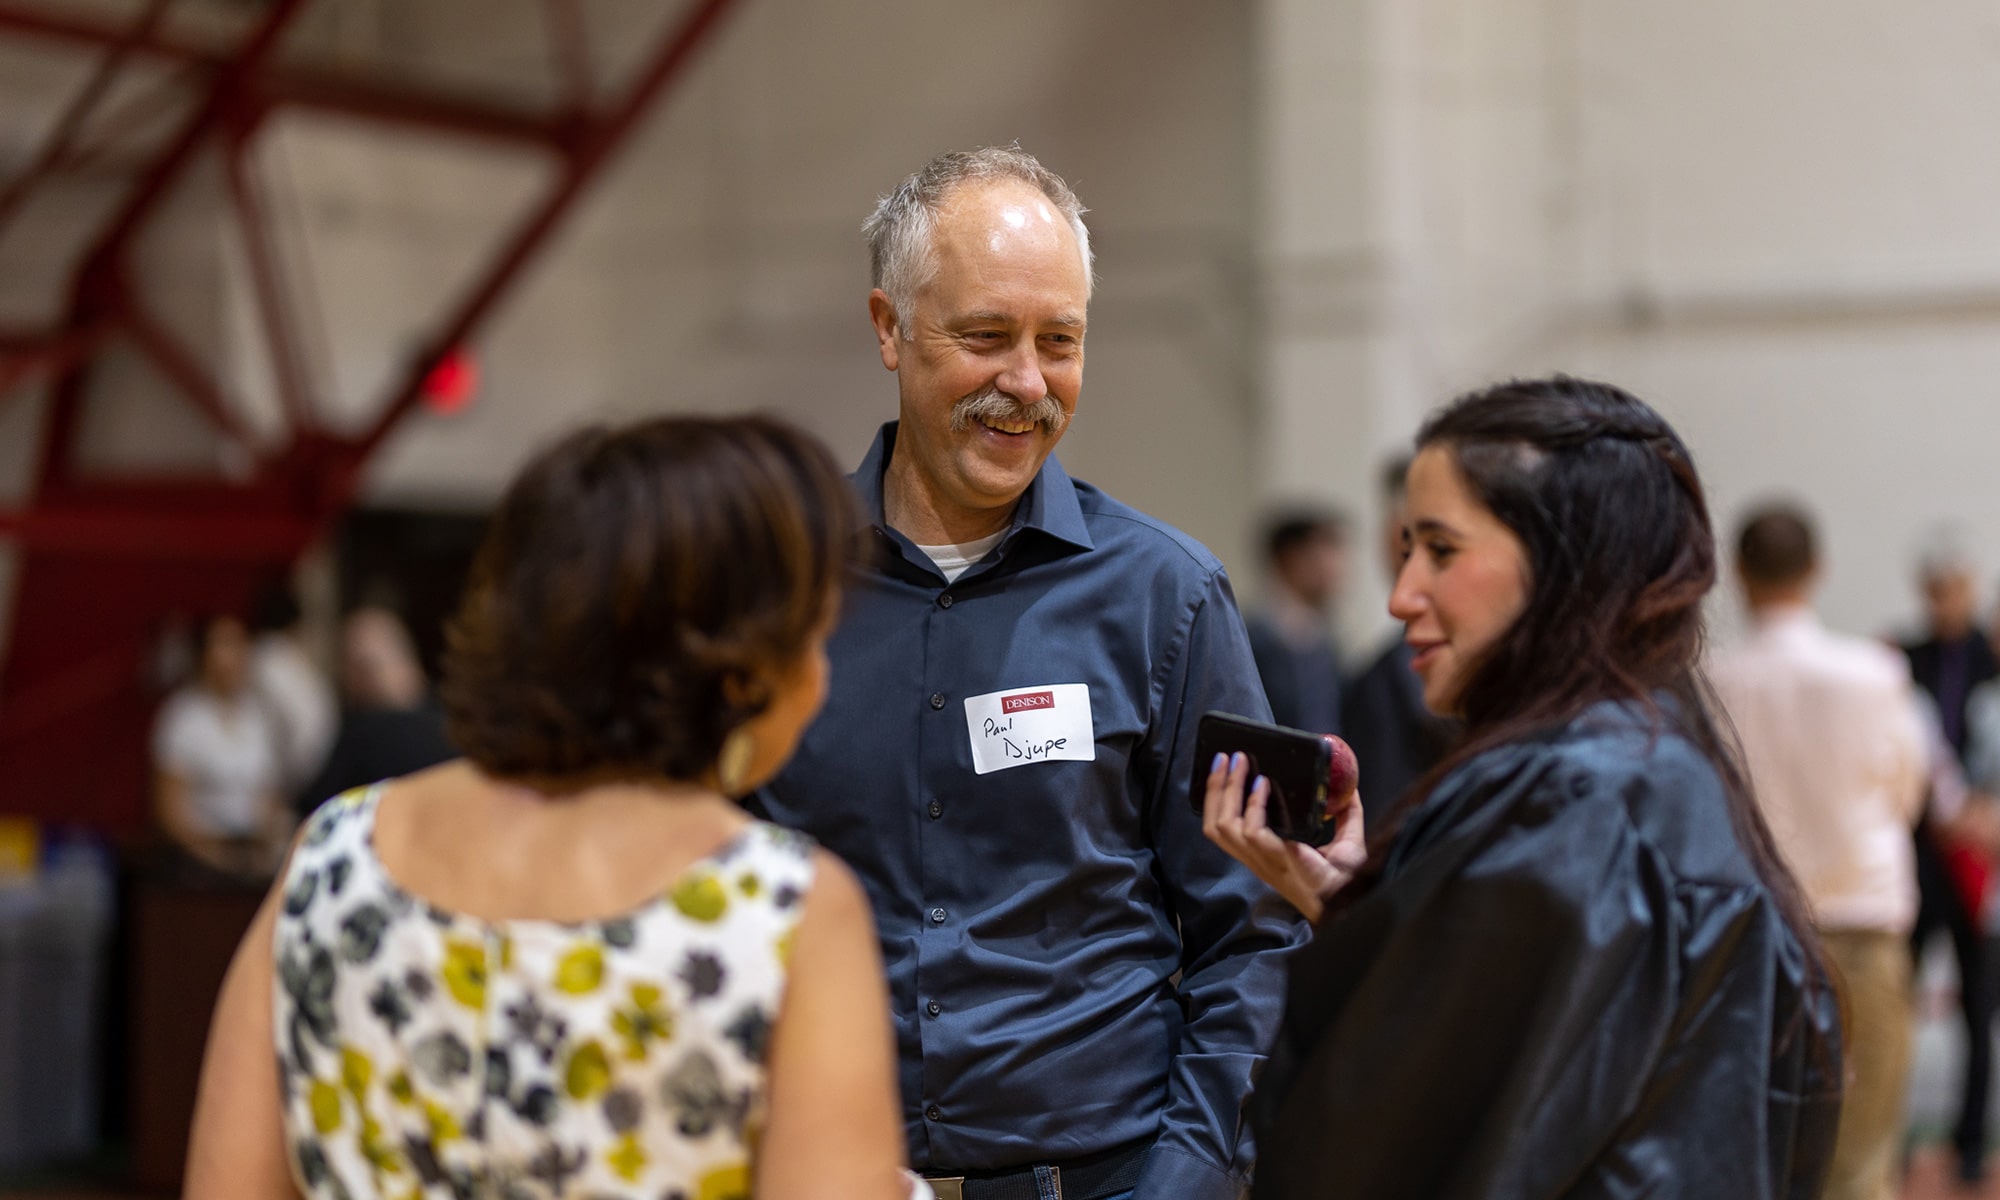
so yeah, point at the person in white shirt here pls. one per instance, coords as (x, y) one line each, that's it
(304, 711)
(1837, 754)
(215, 760)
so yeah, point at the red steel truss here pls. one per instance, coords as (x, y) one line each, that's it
(101, 560)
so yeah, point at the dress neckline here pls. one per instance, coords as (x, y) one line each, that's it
(371, 802)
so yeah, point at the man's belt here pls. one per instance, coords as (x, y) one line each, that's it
(1106, 1173)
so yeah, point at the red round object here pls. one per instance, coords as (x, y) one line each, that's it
(453, 384)
(1343, 773)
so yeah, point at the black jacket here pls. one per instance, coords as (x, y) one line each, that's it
(375, 744)
(1927, 669)
(1569, 982)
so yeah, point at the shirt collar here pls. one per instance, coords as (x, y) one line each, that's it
(1049, 506)
(1784, 618)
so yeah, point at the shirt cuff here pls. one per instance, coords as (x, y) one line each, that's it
(1176, 1173)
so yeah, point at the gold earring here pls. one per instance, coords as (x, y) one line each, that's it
(734, 762)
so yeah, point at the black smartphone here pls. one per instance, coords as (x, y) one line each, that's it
(1296, 763)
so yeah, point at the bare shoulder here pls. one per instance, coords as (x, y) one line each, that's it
(837, 896)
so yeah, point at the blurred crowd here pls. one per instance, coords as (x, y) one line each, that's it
(254, 733)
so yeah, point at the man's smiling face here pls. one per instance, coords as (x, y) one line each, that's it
(990, 362)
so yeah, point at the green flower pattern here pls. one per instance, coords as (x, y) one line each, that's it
(621, 1057)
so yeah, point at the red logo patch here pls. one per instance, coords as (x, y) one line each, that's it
(1023, 701)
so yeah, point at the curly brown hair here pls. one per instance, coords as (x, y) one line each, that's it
(635, 587)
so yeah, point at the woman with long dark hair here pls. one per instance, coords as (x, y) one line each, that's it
(1574, 964)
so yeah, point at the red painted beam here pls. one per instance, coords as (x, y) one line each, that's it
(569, 51)
(226, 95)
(99, 291)
(25, 357)
(241, 537)
(84, 31)
(418, 107)
(60, 139)
(593, 149)
(307, 87)
(274, 303)
(39, 347)
(99, 678)
(185, 372)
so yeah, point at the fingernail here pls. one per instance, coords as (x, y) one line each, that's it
(1236, 760)
(1220, 758)
(1262, 782)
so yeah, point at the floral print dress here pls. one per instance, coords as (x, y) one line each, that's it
(425, 1054)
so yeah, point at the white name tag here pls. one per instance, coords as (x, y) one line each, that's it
(1044, 723)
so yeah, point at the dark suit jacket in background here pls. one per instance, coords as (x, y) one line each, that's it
(376, 744)
(1926, 667)
(1395, 738)
(1302, 683)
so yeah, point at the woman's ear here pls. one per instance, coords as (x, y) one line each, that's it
(747, 690)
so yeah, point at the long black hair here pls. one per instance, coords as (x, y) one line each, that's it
(1604, 498)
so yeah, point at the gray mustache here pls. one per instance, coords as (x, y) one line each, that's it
(993, 404)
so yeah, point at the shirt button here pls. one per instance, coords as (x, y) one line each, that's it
(937, 699)
(937, 809)
(945, 601)
(933, 1113)
(937, 916)
(934, 1008)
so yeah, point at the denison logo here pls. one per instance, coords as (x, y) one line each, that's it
(1023, 701)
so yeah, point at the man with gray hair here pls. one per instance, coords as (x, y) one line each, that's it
(1953, 662)
(1082, 985)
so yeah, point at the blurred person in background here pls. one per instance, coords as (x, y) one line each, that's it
(294, 689)
(217, 778)
(1574, 963)
(389, 724)
(1291, 633)
(1083, 987)
(1982, 729)
(569, 965)
(1394, 737)
(1953, 655)
(1952, 662)
(1836, 746)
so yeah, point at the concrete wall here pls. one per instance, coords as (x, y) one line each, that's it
(1788, 239)
(1414, 152)
(1774, 222)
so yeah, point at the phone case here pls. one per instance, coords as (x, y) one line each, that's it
(1296, 763)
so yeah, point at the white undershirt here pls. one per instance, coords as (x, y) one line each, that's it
(954, 559)
(225, 751)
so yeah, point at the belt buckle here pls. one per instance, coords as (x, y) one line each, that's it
(952, 1187)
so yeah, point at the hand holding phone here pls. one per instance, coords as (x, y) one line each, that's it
(1308, 772)
(1240, 816)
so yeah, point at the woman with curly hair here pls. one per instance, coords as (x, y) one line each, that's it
(568, 964)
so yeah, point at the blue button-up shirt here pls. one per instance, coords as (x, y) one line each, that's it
(1072, 965)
